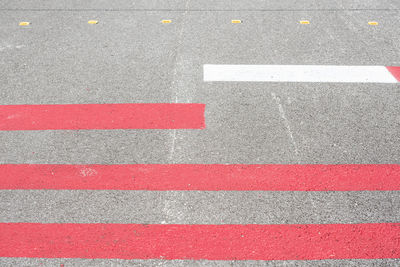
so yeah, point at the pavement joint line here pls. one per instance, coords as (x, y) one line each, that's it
(202, 10)
(174, 86)
(286, 122)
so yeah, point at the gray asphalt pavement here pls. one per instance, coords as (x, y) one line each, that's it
(130, 57)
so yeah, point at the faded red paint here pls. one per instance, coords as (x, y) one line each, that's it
(213, 177)
(212, 242)
(102, 116)
(395, 71)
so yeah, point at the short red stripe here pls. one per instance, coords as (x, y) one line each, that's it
(202, 177)
(212, 242)
(102, 116)
(395, 71)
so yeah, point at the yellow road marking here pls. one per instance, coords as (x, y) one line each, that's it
(304, 22)
(236, 21)
(24, 23)
(92, 22)
(373, 23)
(166, 21)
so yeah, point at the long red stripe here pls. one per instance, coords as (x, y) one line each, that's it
(212, 242)
(202, 177)
(395, 71)
(102, 116)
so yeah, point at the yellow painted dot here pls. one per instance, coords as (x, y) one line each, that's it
(304, 22)
(92, 22)
(166, 21)
(24, 23)
(373, 23)
(236, 21)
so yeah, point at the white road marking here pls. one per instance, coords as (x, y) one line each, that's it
(297, 73)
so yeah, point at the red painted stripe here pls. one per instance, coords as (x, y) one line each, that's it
(202, 177)
(102, 116)
(212, 242)
(395, 71)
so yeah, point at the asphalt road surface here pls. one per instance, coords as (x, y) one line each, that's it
(131, 56)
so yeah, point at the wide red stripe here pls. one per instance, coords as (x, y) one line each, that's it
(201, 177)
(102, 116)
(212, 242)
(395, 71)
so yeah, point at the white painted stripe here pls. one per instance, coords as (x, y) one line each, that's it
(298, 73)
